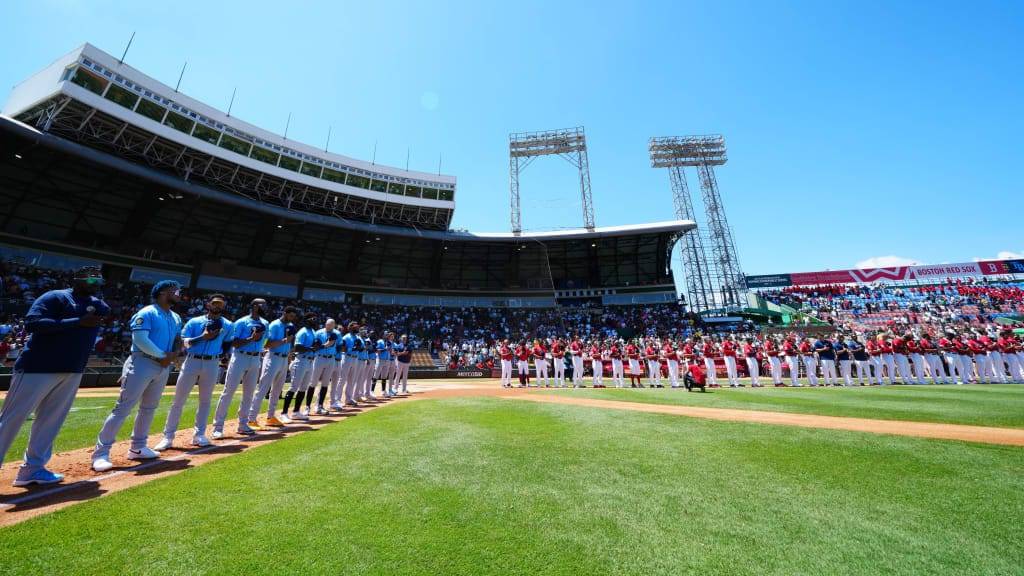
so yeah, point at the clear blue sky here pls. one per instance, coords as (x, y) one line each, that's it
(855, 130)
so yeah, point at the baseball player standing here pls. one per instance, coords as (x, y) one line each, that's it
(576, 349)
(652, 355)
(616, 355)
(596, 364)
(827, 358)
(672, 358)
(844, 359)
(156, 340)
(505, 353)
(729, 354)
(403, 357)
(709, 351)
(789, 351)
(323, 365)
(771, 349)
(558, 362)
(753, 364)
(203, 338)
(523, 364)
(540, 364)
(305, 346)
(810, 361)
(274, 370)
(349, 368)
(62, 327)
(243, 368)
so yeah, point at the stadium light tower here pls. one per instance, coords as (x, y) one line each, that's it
(570, 144)
(720, 283)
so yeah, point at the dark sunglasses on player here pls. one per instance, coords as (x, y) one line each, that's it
(93, 280)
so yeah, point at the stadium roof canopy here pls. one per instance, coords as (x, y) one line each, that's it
(58, 191)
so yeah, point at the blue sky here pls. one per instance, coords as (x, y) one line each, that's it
(855, 130)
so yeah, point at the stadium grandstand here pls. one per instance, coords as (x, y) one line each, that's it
(105, 165)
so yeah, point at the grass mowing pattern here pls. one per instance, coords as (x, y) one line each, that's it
(982, 405)
(489, 486)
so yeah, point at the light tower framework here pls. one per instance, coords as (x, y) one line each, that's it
(570, 144)
(716, 281)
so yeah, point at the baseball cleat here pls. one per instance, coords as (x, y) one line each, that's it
(200, 440)
(284, 418)
(274, 422)
(299, 416)
(102, 464)
(143, 453)
(246, 431)
(337, 406)
(255, 425)
(320, 411)
(41, 476)
(218, 434)
(163, 444)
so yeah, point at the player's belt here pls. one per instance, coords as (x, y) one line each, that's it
(203, 356)
(147, 356)
(310, 357)
(350, 355)
(280, 354)
(247, 353)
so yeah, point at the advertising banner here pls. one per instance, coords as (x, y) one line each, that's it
(929, 273)
(769, 281)
(990, 267)
(942, 271)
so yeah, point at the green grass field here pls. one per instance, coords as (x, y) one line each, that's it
(487, 486)
(988, 405)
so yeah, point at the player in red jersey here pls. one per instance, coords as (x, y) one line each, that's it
(966, 359)
(709, 351)
(695, 377)
(506, 354)
(1008, 347)
(977, 352)
(809, 359)
(577, 351)
(597, 363)
(523, 363)
(899, 353)
(615, 353)
(653, 357)
(994, 365)
(558, 362)
(888, 360)
(729, 354)
(916, 358)
(633, 356)
(540, 363)
(750, 354)
(874, 353)
(789, 352)
(947, 349)
(668, 351)
(771, 350)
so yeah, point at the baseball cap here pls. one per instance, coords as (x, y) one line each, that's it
(90, 275)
